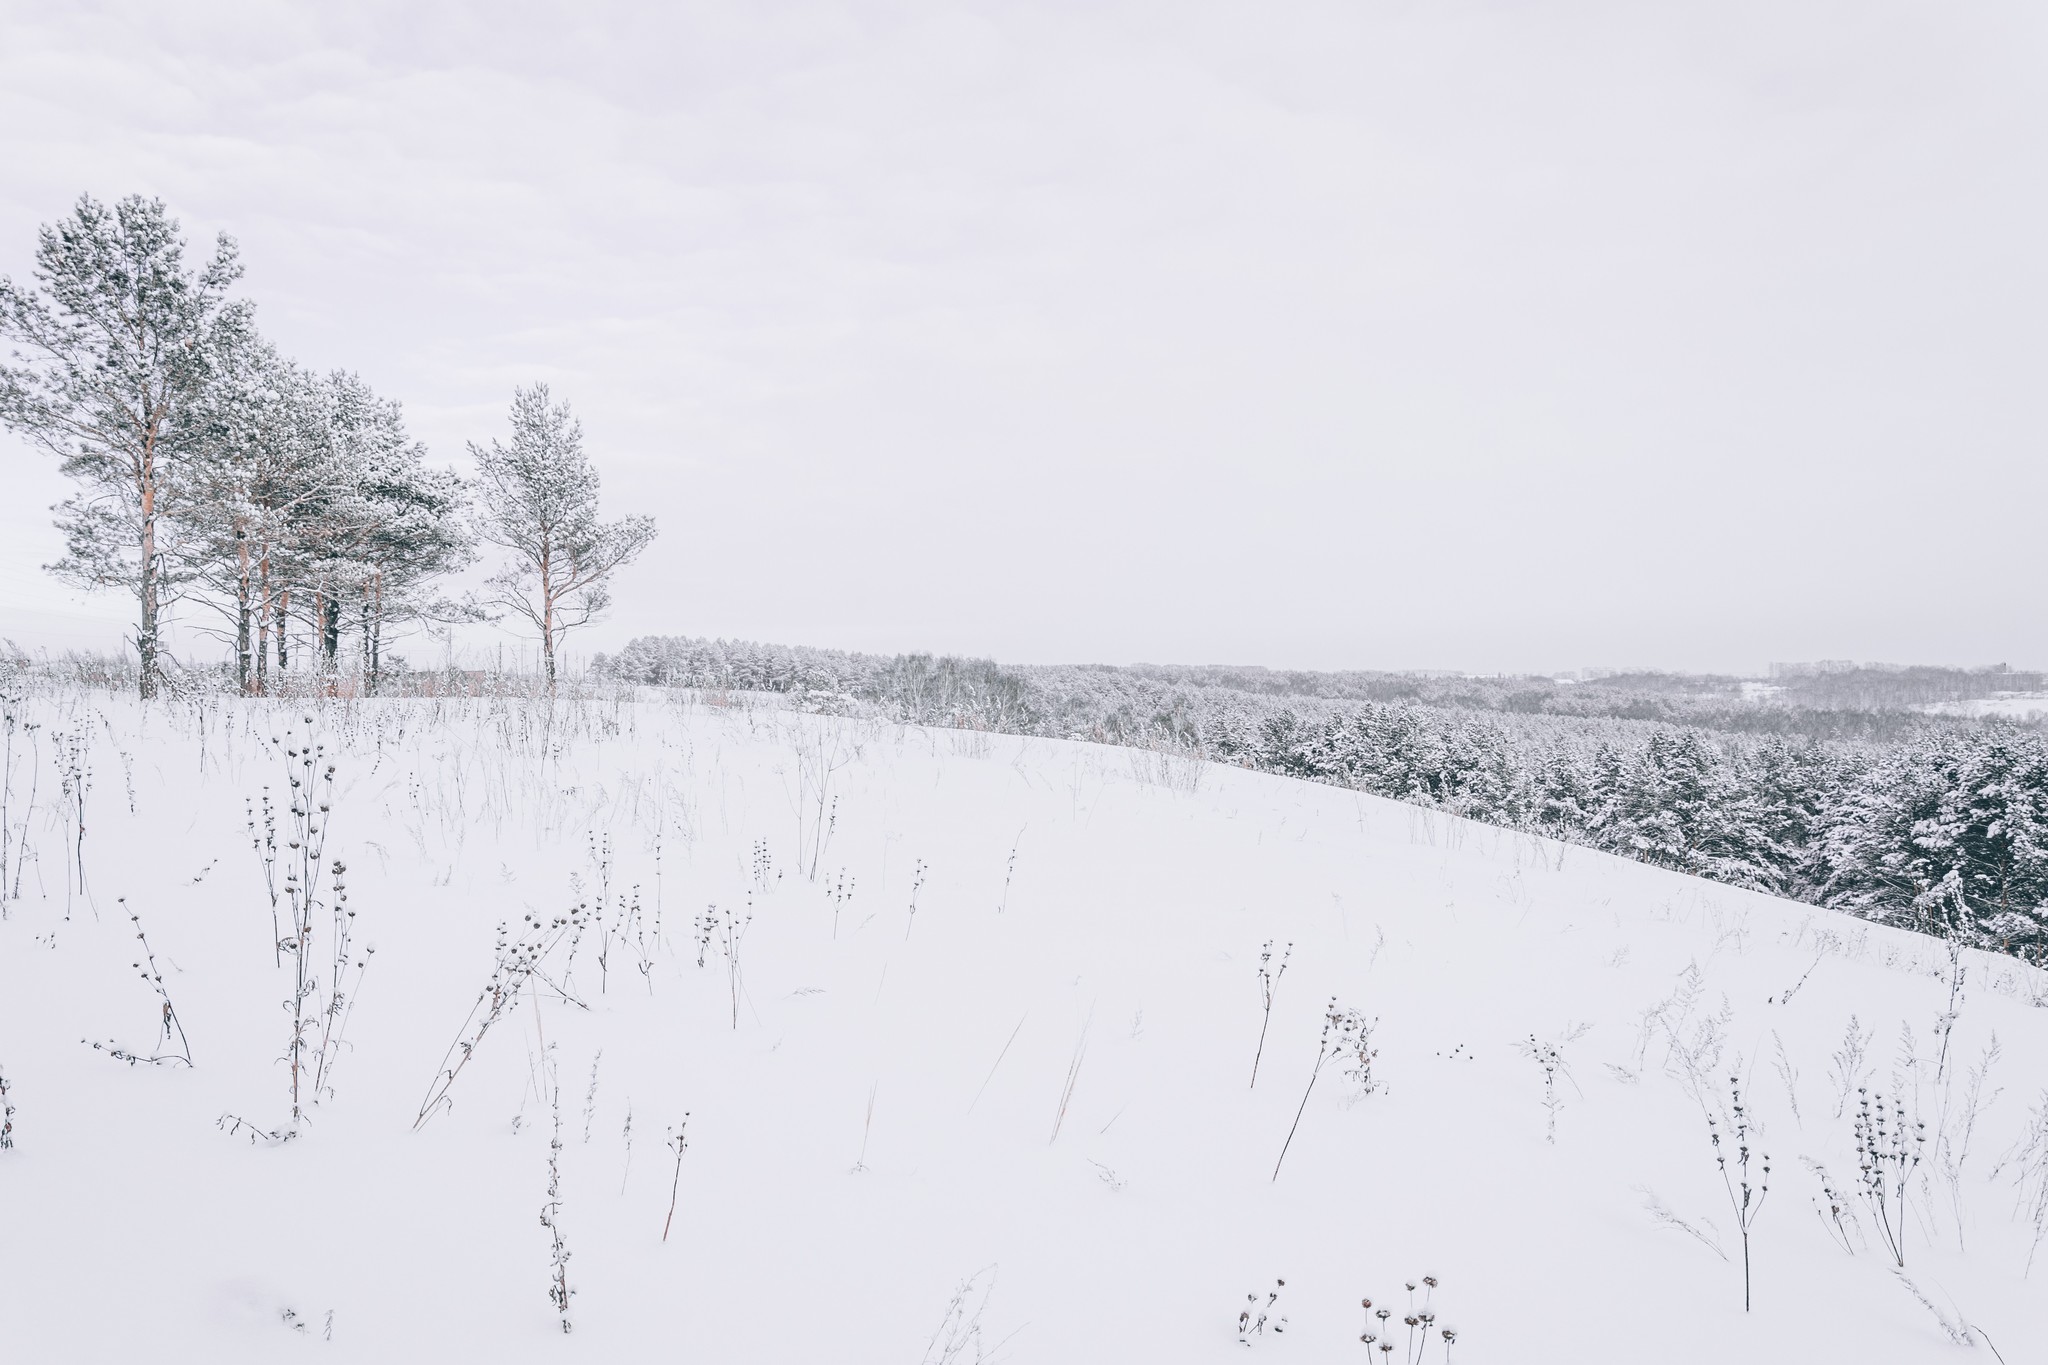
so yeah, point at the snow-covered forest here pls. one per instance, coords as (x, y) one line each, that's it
(1935, 824)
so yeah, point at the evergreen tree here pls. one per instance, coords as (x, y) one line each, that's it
(115, 346)
(539, 502)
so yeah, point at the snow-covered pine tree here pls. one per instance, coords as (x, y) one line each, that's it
(538, 501)
(397, 530)
(260, 456)
(115, 345)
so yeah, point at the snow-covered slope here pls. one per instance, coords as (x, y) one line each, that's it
(1036, 1086)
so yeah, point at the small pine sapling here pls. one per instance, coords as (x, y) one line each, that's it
(1256, 1319)
(1745, 1199)
(1269, 983)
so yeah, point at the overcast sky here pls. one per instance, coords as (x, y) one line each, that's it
(1422, 335)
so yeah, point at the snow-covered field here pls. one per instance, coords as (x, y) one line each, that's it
(1036, 1086)
(2012, 705)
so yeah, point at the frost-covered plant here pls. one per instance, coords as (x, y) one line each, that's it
(74, 779)
(1421, 1321)
(1269, 983)
(1846, 1063)
(705, 928)
(1745, 1197)
(678, 1142)
(916, 885)
(1956, 1124)
(1888, 1151)
(339, 1005)
(1835, 1208)
(264, 841)
(590, 1098)
(730, 932)
(559, 1291)
(167, 1014)
(1550, 1057)
(2028, 1161)
(958, 1339)
(841, 891)
(822, 749)
(1345, 1033)
(1256, 1319)
(1010, 874)
(13, 830)
(765, 874)
(6, 1113)
(309, 807)
(516, 963)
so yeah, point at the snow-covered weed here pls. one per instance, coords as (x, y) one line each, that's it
(959, 1338)
(1745, 1199)
(168, 1022)
(1846, 1067)
(1888, 1151)
(559, 1291)
(1421, 1322)
(2028, 1162)
(1835, 1208)
(1549, 1057)
(516, 963)
(677, 1142)
(1269, 984)
(1255, 1320)
(1346, 1034)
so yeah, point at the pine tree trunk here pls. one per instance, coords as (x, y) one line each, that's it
(263, 621)
(242, 614)
(146, 629)
(328, 613)
(284, 618)
(374, 611)
(547, 619)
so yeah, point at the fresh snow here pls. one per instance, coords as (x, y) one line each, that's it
(885, 1123)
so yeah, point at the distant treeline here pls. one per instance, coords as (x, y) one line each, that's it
(1830, 791)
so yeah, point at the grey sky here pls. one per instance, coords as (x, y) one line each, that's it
(1489, 336)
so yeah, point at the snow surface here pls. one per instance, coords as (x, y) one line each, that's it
(1087, 913)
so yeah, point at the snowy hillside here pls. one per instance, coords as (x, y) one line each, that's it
(964, 1029)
